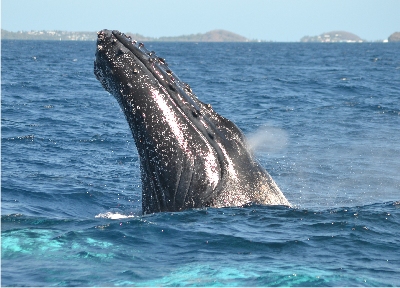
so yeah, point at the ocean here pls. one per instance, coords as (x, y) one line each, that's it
(323, 119)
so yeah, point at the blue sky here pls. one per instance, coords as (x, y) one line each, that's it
(277, 20)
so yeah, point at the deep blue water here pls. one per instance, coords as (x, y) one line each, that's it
(328, 117)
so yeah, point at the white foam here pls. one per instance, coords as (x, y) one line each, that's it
(113, 215)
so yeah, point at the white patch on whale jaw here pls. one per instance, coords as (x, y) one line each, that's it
(178, 130)
(262, 191)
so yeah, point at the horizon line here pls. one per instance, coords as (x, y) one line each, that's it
(236, 37)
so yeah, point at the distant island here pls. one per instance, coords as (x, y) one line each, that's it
(333, 37)
(211, 36)
(395, 37)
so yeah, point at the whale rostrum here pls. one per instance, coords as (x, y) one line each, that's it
(190, 156)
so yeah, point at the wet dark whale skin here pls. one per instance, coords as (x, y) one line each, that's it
(190, 156)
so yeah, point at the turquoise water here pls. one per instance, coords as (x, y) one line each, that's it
(328, 119)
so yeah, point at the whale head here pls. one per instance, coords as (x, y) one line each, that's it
(190, 156)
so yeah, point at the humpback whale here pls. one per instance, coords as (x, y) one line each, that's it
(190, 156)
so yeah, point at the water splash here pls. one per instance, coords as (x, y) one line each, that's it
(268, 139)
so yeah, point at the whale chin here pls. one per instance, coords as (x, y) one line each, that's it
(190, 156)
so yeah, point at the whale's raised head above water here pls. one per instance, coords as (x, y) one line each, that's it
(190, 156)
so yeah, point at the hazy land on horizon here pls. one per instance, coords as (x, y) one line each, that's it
(217, 35)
